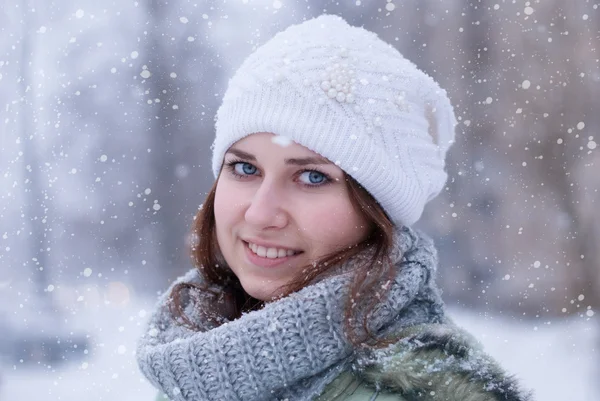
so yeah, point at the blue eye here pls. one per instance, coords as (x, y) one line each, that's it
(314, 177)
(247, 168)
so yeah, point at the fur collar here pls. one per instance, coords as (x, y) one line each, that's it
(439, 362)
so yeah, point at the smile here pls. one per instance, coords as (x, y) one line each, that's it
(270, 253)
(270, 256)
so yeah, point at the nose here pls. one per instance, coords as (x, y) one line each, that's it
(265, 209)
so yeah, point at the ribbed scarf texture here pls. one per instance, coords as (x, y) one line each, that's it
(293, 347)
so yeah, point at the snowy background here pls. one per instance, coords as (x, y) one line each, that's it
(106, 118)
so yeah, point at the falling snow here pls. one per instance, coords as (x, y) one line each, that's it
(281, 140)
(108, 118)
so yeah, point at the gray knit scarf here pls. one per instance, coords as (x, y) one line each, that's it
(293, 347)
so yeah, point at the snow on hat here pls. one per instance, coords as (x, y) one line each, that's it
(347, 95)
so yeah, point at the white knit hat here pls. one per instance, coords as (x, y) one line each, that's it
(347, 95)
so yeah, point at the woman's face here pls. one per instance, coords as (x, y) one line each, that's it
(279, 207)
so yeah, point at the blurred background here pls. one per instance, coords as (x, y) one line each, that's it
(106, 119)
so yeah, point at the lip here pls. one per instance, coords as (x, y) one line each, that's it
(264, 262)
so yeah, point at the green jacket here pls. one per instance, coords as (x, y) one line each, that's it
(431, 362)
(350, 387)
(345, 387)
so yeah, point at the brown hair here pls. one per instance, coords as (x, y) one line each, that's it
(234, 300)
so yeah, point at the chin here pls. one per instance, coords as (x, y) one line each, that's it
(260, 291)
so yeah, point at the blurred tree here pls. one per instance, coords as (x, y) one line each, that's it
(551, 93)
(93, 141)
(35, 207)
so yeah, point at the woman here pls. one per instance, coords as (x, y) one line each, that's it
(309, 282)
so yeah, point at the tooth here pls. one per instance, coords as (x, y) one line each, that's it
(261, 251)
(272, 253)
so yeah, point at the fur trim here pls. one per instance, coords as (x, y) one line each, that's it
(440, 362)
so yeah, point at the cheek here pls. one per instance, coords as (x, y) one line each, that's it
(334, 222)
(229, 199)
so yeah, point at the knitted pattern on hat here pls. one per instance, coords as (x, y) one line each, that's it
(344, 93)
(293, 347)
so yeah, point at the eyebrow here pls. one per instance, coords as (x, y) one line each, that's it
(303, 161)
